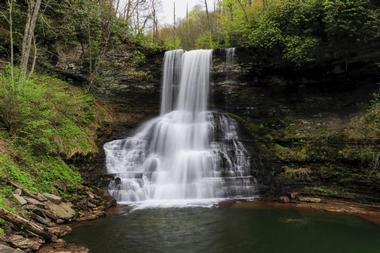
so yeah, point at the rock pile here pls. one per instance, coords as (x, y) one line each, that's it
(42, 218)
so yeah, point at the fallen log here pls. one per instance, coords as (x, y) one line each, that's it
(25, 224)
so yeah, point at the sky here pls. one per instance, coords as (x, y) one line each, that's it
(166, 11)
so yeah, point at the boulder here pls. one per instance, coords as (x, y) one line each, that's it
(61, 185)
(90, 205)
(284, 199)
(90, 195)
(226, 203)
(41, 197)
(62, 211)
(7, 249)
(21, 242)
(310, 199)
(53, 198)
(60, 221)
(109, 201)
(63, 247)
(293, 195)
(92, 215)
(60, 230)
(40, 211)
(43, 220)
(18, 191)
(28, 193)
(19, 199)
(33, 201)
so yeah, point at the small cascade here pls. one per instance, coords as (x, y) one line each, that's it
(188, 152)
(230, 80)
(230, 56)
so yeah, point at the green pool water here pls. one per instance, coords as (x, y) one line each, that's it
(215, 230)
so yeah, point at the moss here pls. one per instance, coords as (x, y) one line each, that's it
(302, 173)
(363, 153)
(37, 173)
(5, 193)
(327, 191)
(51, 169)
(2, 202)
(291, 154)
(49, 122)
(366, 125)
(48, 116)
(9, 170)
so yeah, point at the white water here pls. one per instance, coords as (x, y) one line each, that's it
(187, 154)
(171, 78)
(230, 56)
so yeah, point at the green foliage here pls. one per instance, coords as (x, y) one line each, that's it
(83, 34)
(206, 41)
(292, 26)
(11, 171)
(266, 33)
(299, 50)
(2, 205)
(353, 20)
(36, 173)
(196, 30)
(296, 173)
(366, 126)
(47, 170)
(49, 117)
(291, 154)
(329, 191)
(172, 43)
(300, 30)
(47, 121)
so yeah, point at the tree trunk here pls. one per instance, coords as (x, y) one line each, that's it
(243, 9)
(34, 57)
(155, 22)
(33, 10)
(208, 15)
(174, 23)
(10, 5)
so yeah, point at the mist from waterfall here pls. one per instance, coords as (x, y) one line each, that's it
(187, 153)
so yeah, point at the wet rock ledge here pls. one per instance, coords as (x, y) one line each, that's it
(44, 217)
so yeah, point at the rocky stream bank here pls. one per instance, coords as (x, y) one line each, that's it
(44, 218)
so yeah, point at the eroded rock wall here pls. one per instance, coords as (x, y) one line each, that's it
(306, 128)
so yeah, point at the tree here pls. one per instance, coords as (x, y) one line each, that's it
(10, 6)
(31, 20)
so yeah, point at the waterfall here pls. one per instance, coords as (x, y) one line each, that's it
(230, 56)
(187, 152)
(170, 79)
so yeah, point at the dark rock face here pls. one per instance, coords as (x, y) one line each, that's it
(296, 123)
(131, 95)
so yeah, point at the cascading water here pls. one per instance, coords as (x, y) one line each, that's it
(187, 152)
(230, 56)
(171, 79)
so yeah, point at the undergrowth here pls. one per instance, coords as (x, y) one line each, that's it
(43, 123)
